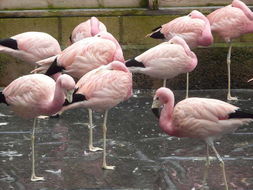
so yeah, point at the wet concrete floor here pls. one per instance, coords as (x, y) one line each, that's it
(145, 157)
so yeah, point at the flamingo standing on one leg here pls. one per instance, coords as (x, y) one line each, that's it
(87, 29)
(165, 60)
(82, 57)
(30, 47)
(101, 89)
(203, 118)
(194, 28)
(32, 95)
(231, 22)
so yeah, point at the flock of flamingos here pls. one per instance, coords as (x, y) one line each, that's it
(104, 79)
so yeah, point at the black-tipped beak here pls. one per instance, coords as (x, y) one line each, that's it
(156, 108)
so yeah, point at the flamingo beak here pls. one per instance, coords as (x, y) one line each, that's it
(156, 107)
(69, 95)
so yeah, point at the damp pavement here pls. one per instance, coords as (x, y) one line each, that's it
(145, 157)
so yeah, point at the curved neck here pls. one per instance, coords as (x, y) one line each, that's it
(244, 8)
(206, 38)
(118, 56)
(94, 22)
(58, 99)
(193, 56)
(165, 120)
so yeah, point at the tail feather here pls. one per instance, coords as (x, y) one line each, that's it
(134, 63)
(156, 33)
(240, 114)
(54, 68)
(2, 98)
(10, 43)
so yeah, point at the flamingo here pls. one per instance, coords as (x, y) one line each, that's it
(202, 118)
(231, 22)
(86, 29)
(102, 89)
(194, 28)
(82, 57)
(33, 95)
(30, 47)
(165, 60)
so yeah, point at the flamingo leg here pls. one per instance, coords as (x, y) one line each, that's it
(187, 85)
(206, 168)
(91, 126)
(221, 164)
(229, 97)
(33, 176)
(104, 166)
(164, 82)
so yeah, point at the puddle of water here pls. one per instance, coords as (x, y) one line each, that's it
(144, 156)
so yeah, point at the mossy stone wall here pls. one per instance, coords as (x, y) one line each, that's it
(130, 27)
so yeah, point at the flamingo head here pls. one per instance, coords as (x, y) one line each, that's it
(162, 96)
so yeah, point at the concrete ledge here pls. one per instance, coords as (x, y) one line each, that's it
(103, 12)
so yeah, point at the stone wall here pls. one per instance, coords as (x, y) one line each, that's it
(130, 27)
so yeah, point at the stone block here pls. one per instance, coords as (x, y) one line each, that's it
(12, 26)
(135, 28)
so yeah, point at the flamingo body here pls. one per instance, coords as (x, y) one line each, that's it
(165, 60)
(194, 28)
(231, 21)
(32, 95)
(30, 46)
(87, 29)
(202, 118)
(84, 56)
(104, 87)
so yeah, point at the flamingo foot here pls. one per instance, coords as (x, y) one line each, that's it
(229, 97)
(105, 167)
(43, 117)
(35, 178)
(94, 149)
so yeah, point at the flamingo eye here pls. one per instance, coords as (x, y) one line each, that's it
(190, 15)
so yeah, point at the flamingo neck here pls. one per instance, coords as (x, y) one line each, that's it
(165, 121)
(194, 59)
(244, 8)
(206, 38)
(58, 99)
(94, 26)
(118, 56)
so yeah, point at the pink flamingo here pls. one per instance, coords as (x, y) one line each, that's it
(231, 22)
(30, 47)
(86, 29)
(84, 56)
(194, 28)
(165, 60)
(102, 89)
(36, 94)
(203, 118)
